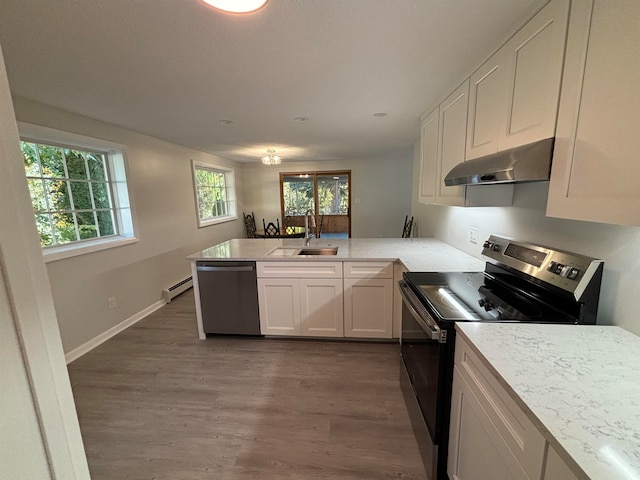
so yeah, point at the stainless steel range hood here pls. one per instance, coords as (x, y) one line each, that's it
(528, 163)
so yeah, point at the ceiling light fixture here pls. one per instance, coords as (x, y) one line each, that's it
(271, 158)
(237, 6)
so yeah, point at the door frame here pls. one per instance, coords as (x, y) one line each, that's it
(315, 174)
(29, 297)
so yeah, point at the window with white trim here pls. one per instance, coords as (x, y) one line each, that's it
(215, 195)
(78, 191)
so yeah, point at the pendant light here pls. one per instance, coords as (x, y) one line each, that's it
(271, 158)
(237, 6)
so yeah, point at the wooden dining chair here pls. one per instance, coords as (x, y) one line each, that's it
(288, 225)
(408, 226)
(271, 229)
(250, 224)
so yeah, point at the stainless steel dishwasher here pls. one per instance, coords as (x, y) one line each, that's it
(229, 297)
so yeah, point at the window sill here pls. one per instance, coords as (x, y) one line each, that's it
(215, 221)
(54, 254)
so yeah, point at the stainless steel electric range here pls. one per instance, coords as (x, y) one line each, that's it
(521, 283)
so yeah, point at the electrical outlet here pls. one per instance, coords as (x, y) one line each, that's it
(112, 302)
(473, 235)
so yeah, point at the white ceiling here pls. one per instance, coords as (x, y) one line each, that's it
(173, 69)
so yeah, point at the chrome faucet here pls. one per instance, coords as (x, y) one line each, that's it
(308, 235)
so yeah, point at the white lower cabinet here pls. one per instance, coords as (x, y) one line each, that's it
(490, 436)
(321, 313)
(300, 298)
(368, 299)
(279, 303)
(368, 308)
(555, 468)
(312, 299)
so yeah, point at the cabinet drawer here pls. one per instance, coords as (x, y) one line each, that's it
(368, 269)
(518, 432)
(299, 269)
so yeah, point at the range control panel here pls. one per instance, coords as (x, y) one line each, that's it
(566, 270)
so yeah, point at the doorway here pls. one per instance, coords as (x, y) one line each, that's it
(325, 195)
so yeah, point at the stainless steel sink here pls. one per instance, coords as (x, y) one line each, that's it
(319, 251)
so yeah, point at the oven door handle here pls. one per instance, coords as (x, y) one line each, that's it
(420, 314)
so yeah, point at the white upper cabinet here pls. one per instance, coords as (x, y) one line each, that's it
(535, 55)
(452, 141)
(487, 106)
(513, 98)
(596, 167)
(429, 132)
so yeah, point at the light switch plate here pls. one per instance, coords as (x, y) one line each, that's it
(473, 235)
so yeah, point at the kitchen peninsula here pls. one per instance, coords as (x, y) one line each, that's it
(372, 267)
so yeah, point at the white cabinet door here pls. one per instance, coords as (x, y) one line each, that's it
(535, 57)
(595, 168)
(475, 449)
(555, 468)
(490, 436)
(279, 302)
(487, 106)
(321, 307)
(513, 97)
(368, 307)
(453, 135)
(429, 137)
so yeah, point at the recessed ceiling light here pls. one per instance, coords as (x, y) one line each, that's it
(225, 122)
(237, 6)
(380, 114)
(300, 119)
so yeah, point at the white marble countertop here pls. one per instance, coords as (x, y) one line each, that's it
(579, 384)
(417, 254)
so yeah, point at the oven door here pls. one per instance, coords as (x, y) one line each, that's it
(425, 352)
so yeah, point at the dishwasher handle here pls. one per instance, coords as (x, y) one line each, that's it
(210, 268)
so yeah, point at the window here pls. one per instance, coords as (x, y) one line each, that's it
(78, 191)
(215, 193)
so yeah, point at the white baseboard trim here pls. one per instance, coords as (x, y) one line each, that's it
(113, 331)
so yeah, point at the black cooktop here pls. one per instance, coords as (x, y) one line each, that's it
(479, 296)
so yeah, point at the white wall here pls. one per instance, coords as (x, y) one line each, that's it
(380, 198)
(162, 194)
(618, 246)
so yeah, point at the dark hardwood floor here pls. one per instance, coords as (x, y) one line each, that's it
(155, 402)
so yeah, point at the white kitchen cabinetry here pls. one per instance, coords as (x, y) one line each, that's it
(321, 305)
(513, 97)
(487, 106)
(555, 468)
(300, 298)
(279, 303)
(595, 165)
(535, 56)
(452, 140)
(490, 435)
(429, 133)
(368, 299)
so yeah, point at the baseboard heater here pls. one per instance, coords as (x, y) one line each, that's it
(169, 293)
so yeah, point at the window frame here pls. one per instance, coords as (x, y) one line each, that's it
(117, 171)
(230, 193)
